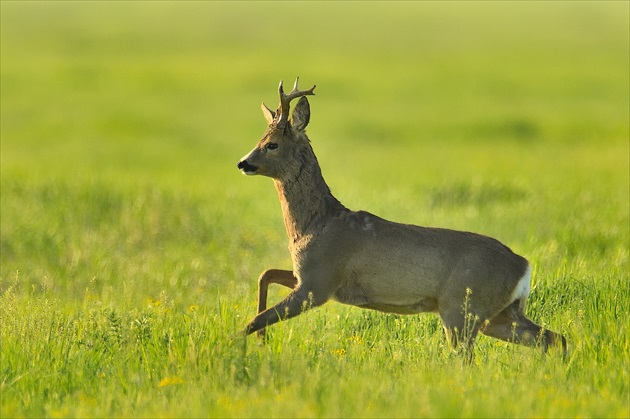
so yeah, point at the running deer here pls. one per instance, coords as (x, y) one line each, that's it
(475, 283)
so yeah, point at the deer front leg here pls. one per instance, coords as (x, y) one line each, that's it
(300, 300)
(272, 276)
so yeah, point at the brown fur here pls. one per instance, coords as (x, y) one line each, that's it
(357, 258)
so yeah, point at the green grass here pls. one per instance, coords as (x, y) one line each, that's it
(130, 244)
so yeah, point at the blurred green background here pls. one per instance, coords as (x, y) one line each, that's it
(117, 82)
(122, 122)
(421, 108)
(126, 119)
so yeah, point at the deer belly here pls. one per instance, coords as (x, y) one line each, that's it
(403, 303)
(423, 305)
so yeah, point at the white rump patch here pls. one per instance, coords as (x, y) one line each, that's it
(521, 291)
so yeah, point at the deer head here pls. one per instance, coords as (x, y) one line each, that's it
(277, 154)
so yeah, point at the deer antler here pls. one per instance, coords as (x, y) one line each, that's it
(285, 99)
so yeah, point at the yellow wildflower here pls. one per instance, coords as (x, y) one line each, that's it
(339, 352)
(170, 381)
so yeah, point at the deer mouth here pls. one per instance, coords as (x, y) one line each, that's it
(246, 168)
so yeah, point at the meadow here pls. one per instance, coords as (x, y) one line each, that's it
(130, 244)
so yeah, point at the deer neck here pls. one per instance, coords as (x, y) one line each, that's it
(306, 201)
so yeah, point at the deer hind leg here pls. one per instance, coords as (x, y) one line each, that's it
(511, 325)
(461, 331)
(272, 276)
(462, 316)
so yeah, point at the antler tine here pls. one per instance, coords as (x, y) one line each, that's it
(285, 99)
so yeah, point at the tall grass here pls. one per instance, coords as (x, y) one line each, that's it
(130, 244)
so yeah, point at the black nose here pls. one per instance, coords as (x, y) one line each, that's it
(245, 167)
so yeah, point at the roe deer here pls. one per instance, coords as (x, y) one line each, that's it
(474, 282)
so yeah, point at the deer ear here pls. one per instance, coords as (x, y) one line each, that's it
(268, 113)
(301, 114)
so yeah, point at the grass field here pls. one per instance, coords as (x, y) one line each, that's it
(131, 245)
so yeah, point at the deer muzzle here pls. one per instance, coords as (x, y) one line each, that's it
(246, 168)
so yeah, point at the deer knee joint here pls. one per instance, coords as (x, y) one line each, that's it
(264, 277)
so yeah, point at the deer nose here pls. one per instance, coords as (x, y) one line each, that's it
(245, 167)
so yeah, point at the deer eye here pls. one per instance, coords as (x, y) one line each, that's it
(272, 146)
